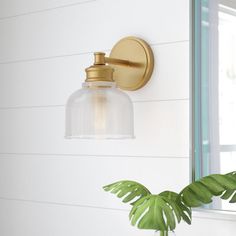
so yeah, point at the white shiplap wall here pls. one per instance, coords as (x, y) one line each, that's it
(51, 186)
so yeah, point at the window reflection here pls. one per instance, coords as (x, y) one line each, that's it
(227, 92)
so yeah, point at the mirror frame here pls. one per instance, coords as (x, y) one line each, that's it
(199, 154)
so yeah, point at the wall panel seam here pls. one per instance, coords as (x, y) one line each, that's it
(45, 10)
(81, 53)
(60, 204)
(214, 218)
(66, 155)
(99, 208)
(56, 106)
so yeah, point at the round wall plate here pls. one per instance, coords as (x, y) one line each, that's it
(136, 51)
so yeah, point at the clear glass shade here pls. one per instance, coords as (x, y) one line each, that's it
(99, 110)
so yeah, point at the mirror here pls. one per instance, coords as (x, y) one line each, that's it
(214, 90)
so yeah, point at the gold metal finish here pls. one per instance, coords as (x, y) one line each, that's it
(99, 58)
(115, 61)
(139, 54)
(99, 71)
(131, 59)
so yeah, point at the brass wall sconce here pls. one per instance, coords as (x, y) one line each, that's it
(100, 109)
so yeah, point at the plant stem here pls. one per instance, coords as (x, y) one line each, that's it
(163, 233)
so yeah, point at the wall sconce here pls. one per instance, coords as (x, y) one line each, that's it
(99, 109)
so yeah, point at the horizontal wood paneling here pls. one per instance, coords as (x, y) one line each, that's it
(79, 180)
(56, 183)
(161, 129)
(92, 27)
(43, 52)
(14, 8)
(50, 82)
(28, 218)
(205, 227)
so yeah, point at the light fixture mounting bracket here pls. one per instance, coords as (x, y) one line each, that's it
(137, 72)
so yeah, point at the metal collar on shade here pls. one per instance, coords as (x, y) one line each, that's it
(99, 71)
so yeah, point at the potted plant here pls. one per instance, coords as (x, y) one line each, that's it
(161, 212)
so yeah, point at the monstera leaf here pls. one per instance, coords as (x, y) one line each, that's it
(155, 212)
(159, 212)
(162, 211)
(230, 193)
(202, 191)
(185, 211)
(128, 190)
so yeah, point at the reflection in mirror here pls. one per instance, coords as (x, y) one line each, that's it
(214, 90)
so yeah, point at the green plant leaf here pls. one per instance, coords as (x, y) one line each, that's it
(128, 190)
(227, 194)
(157, 212)
(161, 212)
(186, 212)
(233, 199)
(202, 191)
(230, 193)
(226, 181)
(232, 175)
(171, 197)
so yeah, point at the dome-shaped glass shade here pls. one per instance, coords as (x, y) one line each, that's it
(99, 110)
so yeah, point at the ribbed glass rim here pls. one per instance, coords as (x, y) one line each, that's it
(100, 137)
(100, 84)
